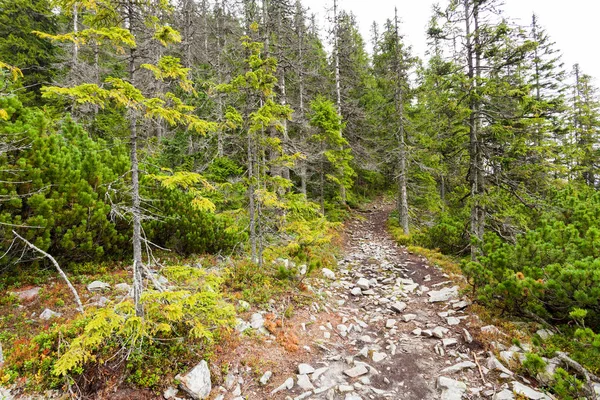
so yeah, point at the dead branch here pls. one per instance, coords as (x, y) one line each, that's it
(60, 271)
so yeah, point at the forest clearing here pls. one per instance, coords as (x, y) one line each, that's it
(232, 199)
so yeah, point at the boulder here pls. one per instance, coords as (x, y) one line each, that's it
(445, 294)
(197, 383)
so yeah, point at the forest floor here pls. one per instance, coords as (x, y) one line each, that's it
(389, 326)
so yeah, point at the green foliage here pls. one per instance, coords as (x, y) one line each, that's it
(534, 364)
(551, 270)
(199, 312)
(567, 386)
(21, 48)
(60, 186)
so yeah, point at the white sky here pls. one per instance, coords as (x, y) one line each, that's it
(572, 24)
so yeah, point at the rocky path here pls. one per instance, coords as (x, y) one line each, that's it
(397, 329)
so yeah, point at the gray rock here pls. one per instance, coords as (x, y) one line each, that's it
(357, 371)
(449, 342)
(122, 287)
(305, 369)
(363, 283)
(527, 392)
(257, 321)
(356, 291)
(303, 395)
(504, 395)
(5, 394)
(490, 329)
(390, 323)
(452, 321)
(288, 384)
(352, 396)
(459, 305)
(544, 334)
(398, 306)
(439, 332)
(48, 314)
(197, 382)
(244, 305)
(170, 393)
(409, 317)
(494, 364)
(29, 294)
(467, 336)
(445, 294)
(241, 325)
(345, 388)
(459, 367)
(378, 356)
(265, 378)
(98, 286)
(451, 389)
(318, 372)
(327, 273)
(304, 382)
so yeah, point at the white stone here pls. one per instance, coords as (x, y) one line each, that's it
(527, 392)
(48, 314)
(453, 321)
(265, 378)
(445, 294)
(304, 382)
(398, 306)
(98, 286)
(409, 317)
(451, 389)
(169, 393)
(544, 333)
(377, 356)
(327, 273)
(288, 384)
(390, 323)
(363, 283)
(459, 367)
(357, 371)
(197, 382)
(257, 321)
(504, 395)
(356, 291)
(305, 369)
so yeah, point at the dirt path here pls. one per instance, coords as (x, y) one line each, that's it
(378, 337)
(390, 326)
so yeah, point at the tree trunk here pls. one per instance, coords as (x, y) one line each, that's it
(138, 284)
(402, 179)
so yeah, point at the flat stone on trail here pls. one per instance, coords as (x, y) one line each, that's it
(451, 389)
(409, 317)
(356, 291)
(377, 356)
(305, 369)
(459, 367)
(445, 294)
(327, 273)
(439, 332)
(363, 283)
(357, 371)
(196, 382)
(304, 382)
(398, 306)
(452, 321)
(390, 323)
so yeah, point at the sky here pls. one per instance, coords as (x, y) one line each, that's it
(572, 24)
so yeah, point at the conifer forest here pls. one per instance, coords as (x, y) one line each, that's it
(239, 199)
